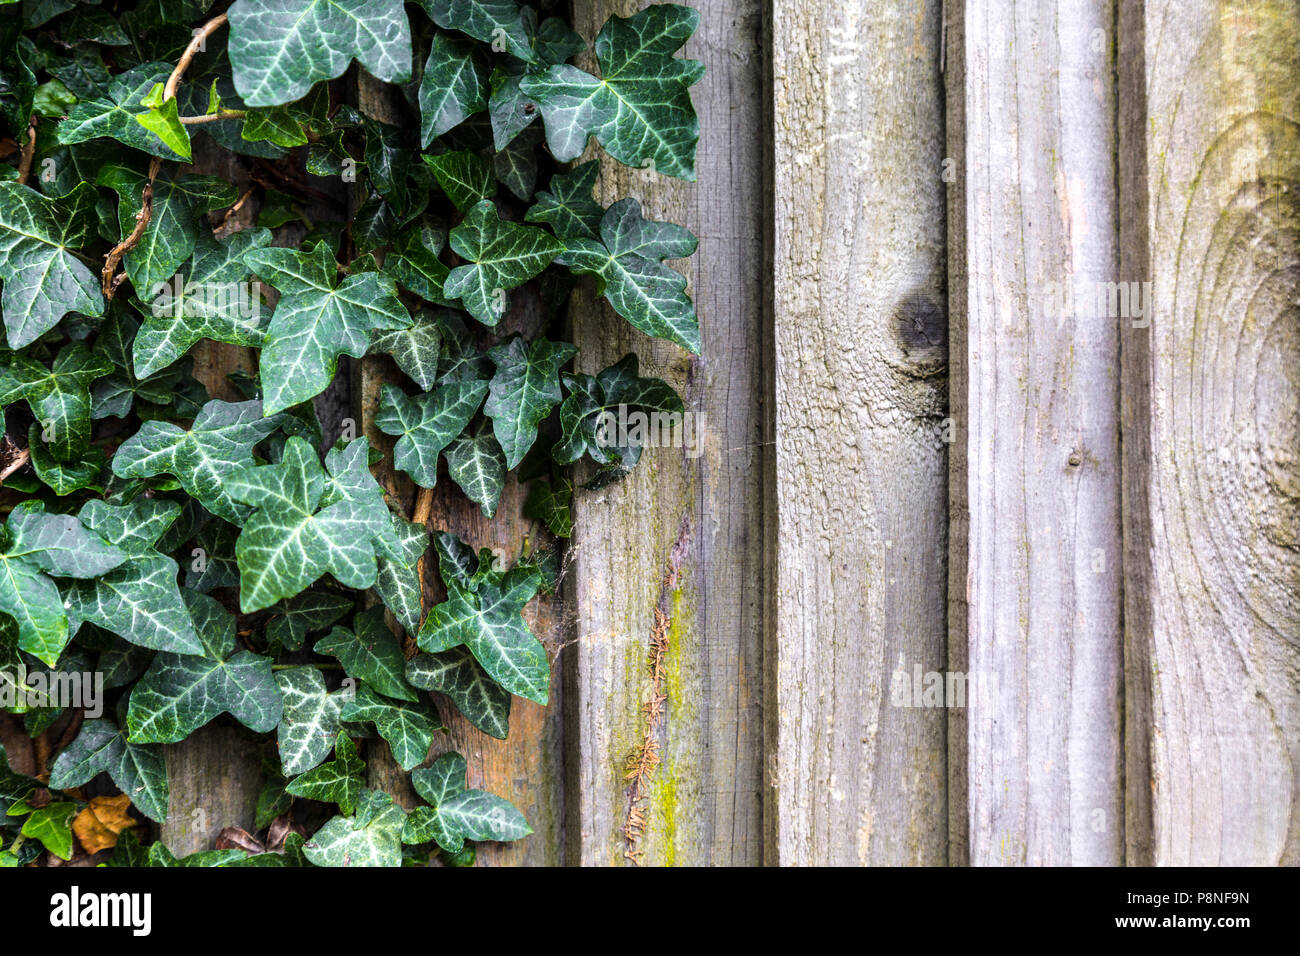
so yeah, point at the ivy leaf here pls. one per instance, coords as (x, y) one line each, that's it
(43, 280)
(173, 230)
(280, 48)
(311, 718)
(59, 396)
(116, 114)
(456, 814)
(465, 177)
(455, 673)
(453, 88)
(568, 207)
(640, 109)
(306, 524)
(162, 118)
(280, 125)
(62, 477)
(398, 579)
(370, 653)
(426, 424)
(181, 693)
(52, 826)
(585, 416)
(138, 770)
(475, 462)
(214, 565)
(551, 503)
(523, 391)
(315, 322)
(415, 350)
(627, 263)
(138, 601)
(371, 838)
(210, 300)
(160, 856)
(502, 256)
(35, 544)
(484, 613)
(304, 614)
(339, 781)
(204, 459)
(499, 22)
(408, 727)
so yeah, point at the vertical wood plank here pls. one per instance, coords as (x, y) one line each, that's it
(681, 535)
(1211, 391)
(860, 382)
(1037, 412)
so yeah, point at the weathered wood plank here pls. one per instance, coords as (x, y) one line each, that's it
(1210, 398)
(682, 535)
(861, 342)
(1038, 415)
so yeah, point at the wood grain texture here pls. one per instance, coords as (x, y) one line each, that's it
(860, 383)
(527, 767)
(704, 514)
(1211, 391)
(1038, 415)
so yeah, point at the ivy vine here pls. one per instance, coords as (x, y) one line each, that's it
(230, 560)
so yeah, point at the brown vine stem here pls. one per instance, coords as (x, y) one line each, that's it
(212, 117)
(420, 515)
(17, 462)
(29, 150)
(109, 279)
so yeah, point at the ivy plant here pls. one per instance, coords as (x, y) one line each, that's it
(184, 176)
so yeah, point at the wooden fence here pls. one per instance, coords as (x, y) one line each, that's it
(1000, 377)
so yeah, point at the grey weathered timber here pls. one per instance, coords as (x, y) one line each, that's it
(1210, 393)
(860, 382)
(701, 516)
(1037, 415)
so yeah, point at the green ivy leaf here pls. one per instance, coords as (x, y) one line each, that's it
(59, 396)
(370, 653)
(408, 727)
(139, 600)
(502, 256)
(498, 22)
(173, 230)
(550, 503)
(37, 544)
(209, 300)
(306, 613)
(484, 613)
(204, 459)
(371, 838)
(640, 109)
(181, 693)
(627, 263)
(455, 673)
(138, 770)
(523, 391)
(43, 280)
(475, 462)
(567, 207)
(315, 322)
(453, 88)
(398, 581)
(311, 718)
(280, 125)
(456, 814)
(415, 350)
(340, 781)
(307, 523)
(465, 177)
(117, 114)
(280, 48)
(52, 826)
(583, 415)
(426, 424)
(62, 477)
(163, 119)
